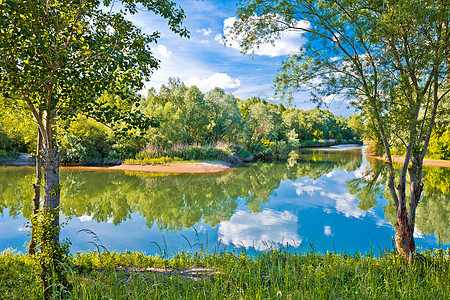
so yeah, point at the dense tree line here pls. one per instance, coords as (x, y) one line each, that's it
(187, 116)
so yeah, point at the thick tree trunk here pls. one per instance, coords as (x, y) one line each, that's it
(404, 235)
(37, 192)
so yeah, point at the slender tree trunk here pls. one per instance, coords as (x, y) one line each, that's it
(52, 187)
(50, 161)
(37, 192)
(404, 234)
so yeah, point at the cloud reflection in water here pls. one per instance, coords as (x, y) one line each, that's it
(254, 230)
(328, 191)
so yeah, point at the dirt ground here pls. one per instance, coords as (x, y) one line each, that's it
(197, 167)
(426, 162)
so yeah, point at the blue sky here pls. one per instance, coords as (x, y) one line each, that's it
(204, 61)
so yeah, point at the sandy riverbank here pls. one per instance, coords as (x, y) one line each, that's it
(426, 162)
(26, 160)
(197, 167)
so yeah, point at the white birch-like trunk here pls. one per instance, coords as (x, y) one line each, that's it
(52, 188)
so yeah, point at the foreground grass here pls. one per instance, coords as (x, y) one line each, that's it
(274, 274)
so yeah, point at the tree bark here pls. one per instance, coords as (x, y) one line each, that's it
(50, 161)
(52, 187)
(404, 236)
(37, 192)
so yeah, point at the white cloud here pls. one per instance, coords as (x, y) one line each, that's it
(248, 230)
(228, 23)
(202, 229)
(338, 99)
(320, 195)
(205, 31)
(315, 81)
(22, 228)
(289, 41)
(252, 89)
(163, 51)
(418, 234)
(346, 203)
(221, 80)
(383, 223)
(327, 230)
(205, 42)
(333, 173)
(85, 218)
(301, 187)
(218, 37)
(329, 98)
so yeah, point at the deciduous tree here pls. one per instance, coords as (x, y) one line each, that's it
(387, 57)
(58, 56)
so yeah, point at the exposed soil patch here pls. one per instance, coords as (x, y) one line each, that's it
(197, 167)
(426, 162)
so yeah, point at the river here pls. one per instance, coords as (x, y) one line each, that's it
(328, 199)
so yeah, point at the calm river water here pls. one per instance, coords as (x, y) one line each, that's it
(332, 199)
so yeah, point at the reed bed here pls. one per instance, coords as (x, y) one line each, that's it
(153, 154)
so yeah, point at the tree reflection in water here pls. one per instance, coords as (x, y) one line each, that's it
(433, 212)
(173, 202)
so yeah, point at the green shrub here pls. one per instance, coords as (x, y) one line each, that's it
(439, 147)
(189, 152)
(8, 154)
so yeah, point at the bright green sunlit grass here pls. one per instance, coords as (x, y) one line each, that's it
(273, 274)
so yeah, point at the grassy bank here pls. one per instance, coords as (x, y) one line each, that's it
(275, 274)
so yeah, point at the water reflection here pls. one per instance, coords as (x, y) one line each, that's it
(255, 230)
(325, 196)
(433, 212)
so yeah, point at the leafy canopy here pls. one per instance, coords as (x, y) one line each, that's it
(61, 55)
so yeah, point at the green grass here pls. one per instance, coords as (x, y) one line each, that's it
(273, 274)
